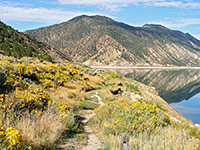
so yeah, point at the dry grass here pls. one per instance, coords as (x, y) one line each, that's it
(43, 131)
(71, 85)
(38, 130)
(94, 79)
(107, 96)
(61, 94)
(164, 139)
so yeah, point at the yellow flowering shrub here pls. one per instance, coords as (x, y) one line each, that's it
(3, 100)
(50, 75)
(33, 99)
(2, 132)
(25, 84)
(62, 108)
(11, 139)
(129, 117)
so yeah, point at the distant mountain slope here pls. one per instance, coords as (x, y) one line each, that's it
(98, 40)
(14, 43)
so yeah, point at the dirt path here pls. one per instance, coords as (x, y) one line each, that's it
(98, 98)
(93, 142)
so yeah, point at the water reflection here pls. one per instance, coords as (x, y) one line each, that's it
(172, 85)
(177, 87)
(190, 109)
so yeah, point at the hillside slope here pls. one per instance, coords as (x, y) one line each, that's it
(48, 105)
(14, 43)
(98, 40)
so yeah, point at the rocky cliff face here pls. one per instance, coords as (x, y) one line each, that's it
(98, 40)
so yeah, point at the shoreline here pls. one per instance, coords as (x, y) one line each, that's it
(145, 67)
(170, 107)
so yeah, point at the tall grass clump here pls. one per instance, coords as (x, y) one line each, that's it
(166, 138)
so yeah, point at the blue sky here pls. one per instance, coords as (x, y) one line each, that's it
(183, 15)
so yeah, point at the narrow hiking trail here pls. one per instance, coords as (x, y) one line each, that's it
(98, 98)
(93, 142)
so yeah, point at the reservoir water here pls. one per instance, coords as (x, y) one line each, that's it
(179, 87)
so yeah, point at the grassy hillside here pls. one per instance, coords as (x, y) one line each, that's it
(43, 106)
(17, 44)
(98, 40)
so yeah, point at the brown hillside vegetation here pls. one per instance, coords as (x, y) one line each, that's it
(99, 40)
(68, 106)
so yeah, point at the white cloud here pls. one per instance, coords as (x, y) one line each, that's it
(167, 4)
(12, 13)
(197, 36)
(197, 95)
(105, 2)
(178, 4)
(178, 22)
(121, 3)
(21, 12)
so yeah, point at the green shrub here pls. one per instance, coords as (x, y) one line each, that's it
(82, 104)
(114, 75)
(133, 88)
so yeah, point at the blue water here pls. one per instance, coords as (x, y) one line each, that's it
(179, 87)
(189, 108)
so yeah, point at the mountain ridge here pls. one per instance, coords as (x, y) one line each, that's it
(18, 44)
(99, 40)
